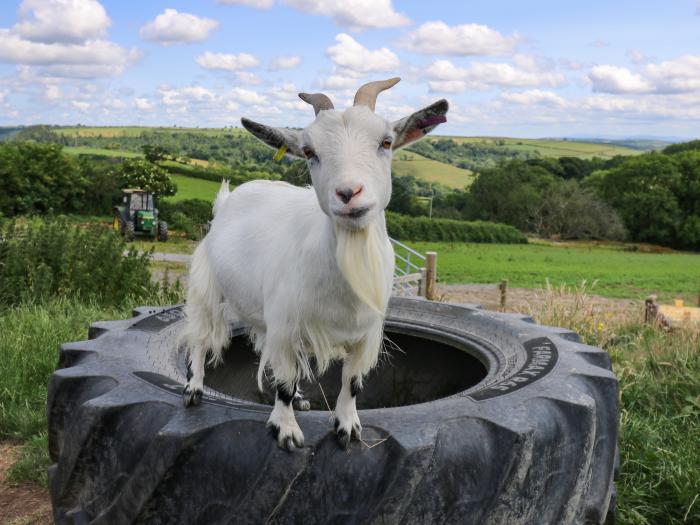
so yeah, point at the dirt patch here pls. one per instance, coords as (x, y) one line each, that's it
(27, 503)
(524, 300)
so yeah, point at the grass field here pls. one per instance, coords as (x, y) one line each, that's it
(101, 152)
(552, 147)
(619, 273)
(191, 188)
(135, 131)
(410, 163)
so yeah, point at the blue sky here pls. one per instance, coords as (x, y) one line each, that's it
(511, 68)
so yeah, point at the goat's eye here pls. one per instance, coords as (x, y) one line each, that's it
(308, 152)
(386, 144)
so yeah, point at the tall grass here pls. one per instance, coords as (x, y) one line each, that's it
(659, 374)
(55, 279)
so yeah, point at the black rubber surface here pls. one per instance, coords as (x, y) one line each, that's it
(472, 417)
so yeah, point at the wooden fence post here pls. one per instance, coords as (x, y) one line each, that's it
(421, 283)
(650, 310)
(430, 275)
(503, 287)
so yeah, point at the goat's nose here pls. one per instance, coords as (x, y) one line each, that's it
(346, 194)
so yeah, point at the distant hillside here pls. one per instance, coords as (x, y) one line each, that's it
(451, 161)
(637, 144)
(548, 147)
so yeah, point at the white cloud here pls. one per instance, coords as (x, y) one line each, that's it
(354, 14)
(535, 97)
(68, 21)
(53, 92)
(258, 4)
(81, 105)
(614, 79)
(247, 96)
(468, 39)
(63, 38)
(184, 96)
(681, 75)
(444, 76)
(246, 77)
(636, 56)
(67, 59)
(173, 27)
(143, 103)
(599, 43)
(227, 62)
(354, 57)
(284, 62)
(337, 82)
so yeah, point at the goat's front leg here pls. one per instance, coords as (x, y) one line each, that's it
(347, 422)
(282, 423)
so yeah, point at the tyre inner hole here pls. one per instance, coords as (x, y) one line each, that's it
(412, 370)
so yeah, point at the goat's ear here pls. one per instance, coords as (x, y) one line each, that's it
(282, 139)
(419, 124)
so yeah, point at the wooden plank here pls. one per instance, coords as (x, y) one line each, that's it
(407, 278)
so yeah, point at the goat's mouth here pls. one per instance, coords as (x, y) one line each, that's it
(353, 213)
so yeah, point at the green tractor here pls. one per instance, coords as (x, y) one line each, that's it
(138, 215)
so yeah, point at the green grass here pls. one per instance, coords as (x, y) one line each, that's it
(410, 163)
(174, 245)
(619, 273)
(29, 339)
(191, 188)
(659, 374)
(552, 147)
(135, 131)
(101, 152)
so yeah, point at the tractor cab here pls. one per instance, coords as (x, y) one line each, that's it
(138, 215)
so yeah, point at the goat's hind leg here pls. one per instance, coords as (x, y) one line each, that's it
(206, 328)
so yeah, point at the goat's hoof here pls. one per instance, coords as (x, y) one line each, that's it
(302, 404)
(346, 433)
(287, 438)
(191, 396)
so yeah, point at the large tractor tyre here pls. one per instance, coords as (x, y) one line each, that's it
(130, 231)
(471, 417)
(162, 231)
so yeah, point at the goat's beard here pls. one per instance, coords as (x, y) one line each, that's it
(361, 258)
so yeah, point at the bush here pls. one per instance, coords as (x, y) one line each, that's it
(403, 227)
(138, 173)
(41, 259)
(38, 178)
(198, 211)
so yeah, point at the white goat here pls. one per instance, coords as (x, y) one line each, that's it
(308, 269)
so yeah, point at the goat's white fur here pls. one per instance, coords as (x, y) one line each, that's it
(308, 280)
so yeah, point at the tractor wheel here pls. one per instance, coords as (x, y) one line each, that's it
(162, 231)
(130, 231)
(471, 417)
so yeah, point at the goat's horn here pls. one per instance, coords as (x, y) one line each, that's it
(318, 100)
(367, 94)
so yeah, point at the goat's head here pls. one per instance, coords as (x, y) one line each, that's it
(349, 152)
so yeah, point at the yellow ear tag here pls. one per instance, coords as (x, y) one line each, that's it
(280, 153)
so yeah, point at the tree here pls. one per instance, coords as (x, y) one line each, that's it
(137, 173)
(510, 193)
(155, 153)
(644, 191)
(38, 178)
